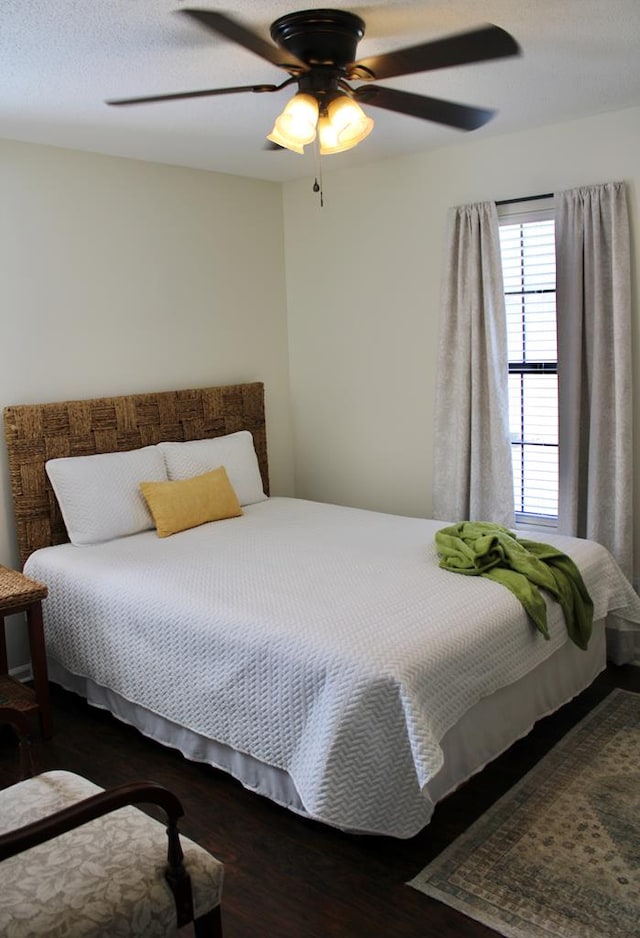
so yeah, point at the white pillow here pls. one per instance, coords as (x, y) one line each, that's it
(235, 452)
(100, 497)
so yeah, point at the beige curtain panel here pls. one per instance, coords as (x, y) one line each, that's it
(594, 367)
(473, 477)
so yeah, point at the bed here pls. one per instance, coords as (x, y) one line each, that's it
(316, 652)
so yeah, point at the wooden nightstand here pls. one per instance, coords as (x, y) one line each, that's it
(20, 594)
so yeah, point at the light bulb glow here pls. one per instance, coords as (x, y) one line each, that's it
(296, 126)
(343, 126)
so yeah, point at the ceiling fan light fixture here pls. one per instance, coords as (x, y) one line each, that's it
(296, 126)
(343, 126)
(318, 48)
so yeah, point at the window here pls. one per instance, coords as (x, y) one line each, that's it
(527, 244)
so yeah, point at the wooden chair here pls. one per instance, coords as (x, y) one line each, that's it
(82, 862)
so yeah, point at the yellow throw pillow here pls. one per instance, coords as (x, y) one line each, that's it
(176, 506)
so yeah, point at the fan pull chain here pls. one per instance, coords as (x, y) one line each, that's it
(317, 186)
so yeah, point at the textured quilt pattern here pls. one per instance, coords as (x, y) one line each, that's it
(322, 640)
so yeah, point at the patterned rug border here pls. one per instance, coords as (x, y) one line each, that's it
(467, 843)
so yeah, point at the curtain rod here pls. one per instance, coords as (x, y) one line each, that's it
(526, 198)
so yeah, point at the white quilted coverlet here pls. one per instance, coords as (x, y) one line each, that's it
(321, 640)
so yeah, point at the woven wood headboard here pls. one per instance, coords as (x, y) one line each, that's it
(35, 433)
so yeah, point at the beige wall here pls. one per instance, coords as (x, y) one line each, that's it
(120, 276)
(363, 281)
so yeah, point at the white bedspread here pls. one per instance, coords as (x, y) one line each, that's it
(321, 640)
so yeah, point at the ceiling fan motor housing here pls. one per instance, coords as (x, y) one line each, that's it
(320, 37)
(318, 50)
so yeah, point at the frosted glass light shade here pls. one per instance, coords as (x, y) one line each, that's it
(296, 126)
(343, 126)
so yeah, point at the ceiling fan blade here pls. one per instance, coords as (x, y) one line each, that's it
(225, 26)
(209, 92)
(461, 116)
(477, 45)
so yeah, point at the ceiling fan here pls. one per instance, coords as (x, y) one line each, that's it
(318, 50)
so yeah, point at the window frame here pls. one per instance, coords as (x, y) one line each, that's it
(516, 212)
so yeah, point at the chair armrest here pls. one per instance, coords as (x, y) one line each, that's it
(89, 809)
(67, 819)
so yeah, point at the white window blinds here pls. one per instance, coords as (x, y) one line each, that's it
(527, 243)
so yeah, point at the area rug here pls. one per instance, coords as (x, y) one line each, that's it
(558, 856)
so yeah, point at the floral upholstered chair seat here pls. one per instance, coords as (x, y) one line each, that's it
(104, 878)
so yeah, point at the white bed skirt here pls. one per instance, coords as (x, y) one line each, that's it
(482, 734)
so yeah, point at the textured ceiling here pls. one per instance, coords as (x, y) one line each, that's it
(60, 60)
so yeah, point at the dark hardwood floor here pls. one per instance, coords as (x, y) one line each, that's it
(286, 877)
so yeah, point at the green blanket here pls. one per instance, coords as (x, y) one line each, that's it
(525, 567)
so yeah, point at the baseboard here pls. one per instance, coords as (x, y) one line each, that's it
(22, 673)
